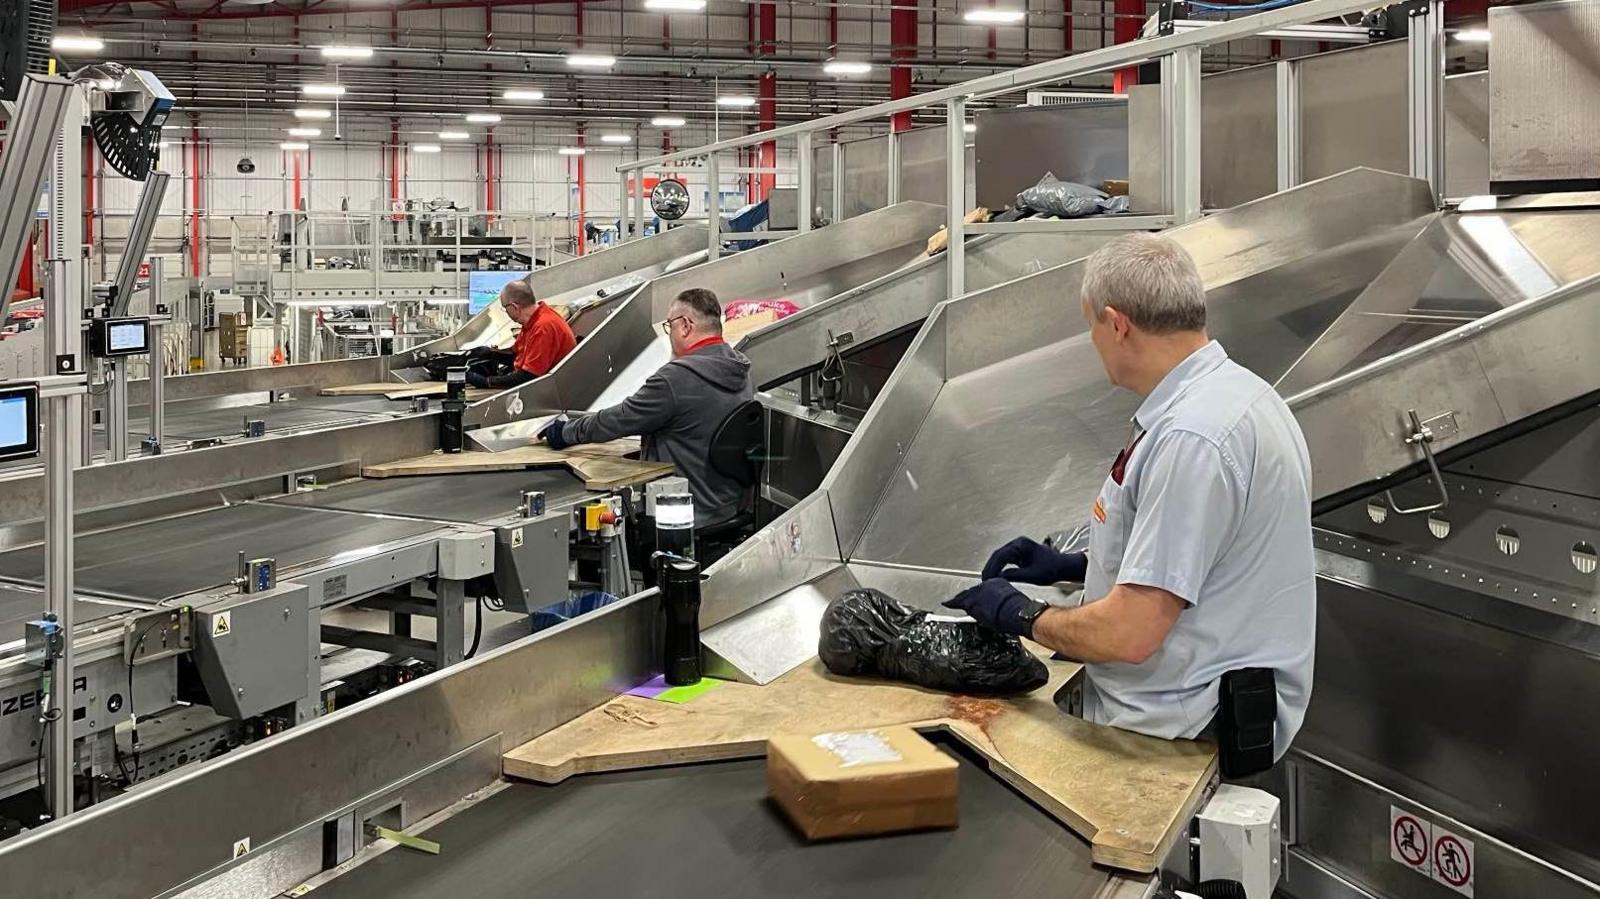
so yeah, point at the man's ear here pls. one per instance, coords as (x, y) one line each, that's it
(1119, 323)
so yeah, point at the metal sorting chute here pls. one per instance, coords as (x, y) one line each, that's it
(1000, 421)
(804, 269)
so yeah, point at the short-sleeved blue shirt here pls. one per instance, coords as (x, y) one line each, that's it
(1213, 504)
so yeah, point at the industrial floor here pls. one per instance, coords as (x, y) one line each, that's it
(708, 830)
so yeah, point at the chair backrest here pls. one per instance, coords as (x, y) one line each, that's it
(740, 444)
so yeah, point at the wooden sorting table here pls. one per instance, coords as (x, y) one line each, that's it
(1129, 795)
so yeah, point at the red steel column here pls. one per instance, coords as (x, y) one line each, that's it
(1129, 19)
(1066, 26)
(767, 97)
(902, 46)
(88, 196)
(195, 242)
(583, 199)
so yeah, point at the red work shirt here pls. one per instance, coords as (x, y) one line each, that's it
(545, 340)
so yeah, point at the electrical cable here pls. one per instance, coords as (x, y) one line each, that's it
(477, 631)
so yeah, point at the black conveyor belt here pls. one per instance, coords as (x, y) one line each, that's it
(446, 497)
(193, 423)
(173, 556)
(19, 605)
(707, 831)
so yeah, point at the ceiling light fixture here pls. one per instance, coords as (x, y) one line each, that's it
(736, 101)
(616, 138)
(571, 151)
(313, 114)
(668, 121)
(590, 61)
(425, 148)
(483, 118)
(322, 90)
(993, 16)
(305, 132)
(293, 145)
(338, 51)
(523, 95)
(453, 135)
(846, 67)
(1473, 35)
(675, 5)
(79, 43)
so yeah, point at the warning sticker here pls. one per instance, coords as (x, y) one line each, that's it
(221, 624)
(1410, 841)
(241, 847)
(1453, 861)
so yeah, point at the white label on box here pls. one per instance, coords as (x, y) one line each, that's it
(866, 747)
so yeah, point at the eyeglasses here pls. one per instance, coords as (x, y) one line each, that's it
(666, 326)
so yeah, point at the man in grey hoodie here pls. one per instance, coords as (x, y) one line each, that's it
(680, 407)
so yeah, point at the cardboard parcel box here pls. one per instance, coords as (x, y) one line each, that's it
(857, 783)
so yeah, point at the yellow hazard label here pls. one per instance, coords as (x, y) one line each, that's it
(241, 847)
(221, 623)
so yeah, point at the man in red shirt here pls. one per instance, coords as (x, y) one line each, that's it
(544, 340)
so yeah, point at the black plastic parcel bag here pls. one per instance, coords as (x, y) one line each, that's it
(1062, 199)
(867, 633)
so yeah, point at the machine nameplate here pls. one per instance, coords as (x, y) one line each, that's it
(335, 587)
(28, 699)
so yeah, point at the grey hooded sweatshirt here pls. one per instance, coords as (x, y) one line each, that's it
(677, 412)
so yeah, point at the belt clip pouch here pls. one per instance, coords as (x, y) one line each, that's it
(1247, 711)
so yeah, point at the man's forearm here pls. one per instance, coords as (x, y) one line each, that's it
(1128, 625)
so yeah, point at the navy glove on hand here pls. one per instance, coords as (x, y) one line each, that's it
(477, 379)
(553, 437)
(1035, 564)
(998, 605)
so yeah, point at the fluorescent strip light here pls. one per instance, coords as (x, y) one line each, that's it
(571, 151)
(80, 43)
(343, 52)
(305, 132)
(294, 145)
(736, 101)
(970, 128)
(433, 301)
(453, 135)
(342, 301)
(616, 138)
(523, 95)
(322, 90)
(993, 16)
(1473, 35)
(425, 148)
(590, 61)
(844, 67)
(318, 114)
(668, 121)
(675, 5)
(483, 118)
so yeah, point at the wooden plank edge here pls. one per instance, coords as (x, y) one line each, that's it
(1105, 853)
(666, 757)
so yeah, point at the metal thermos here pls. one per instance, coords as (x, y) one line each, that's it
(452, 437)
(675, 524)
(679, 581)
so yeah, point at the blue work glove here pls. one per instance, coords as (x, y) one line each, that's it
(477, 379)
(998, 605)
(553, 437)
(1035, 564)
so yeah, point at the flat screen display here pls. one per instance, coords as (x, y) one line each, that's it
(126, 337)
(19, 422)
(483, 288)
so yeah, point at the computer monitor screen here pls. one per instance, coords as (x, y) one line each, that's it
(483, 288)
(19, 422)
(127, 337)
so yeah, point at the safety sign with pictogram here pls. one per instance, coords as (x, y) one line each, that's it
(1410, 839)
(1453, 861)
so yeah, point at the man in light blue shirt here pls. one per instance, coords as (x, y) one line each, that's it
(1200, 559)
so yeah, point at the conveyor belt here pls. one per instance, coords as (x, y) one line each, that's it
(707, 830)
(19, 605)
(161, 559)
(454, 497)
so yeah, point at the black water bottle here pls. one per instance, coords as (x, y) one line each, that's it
(452, 435)
(679, 581)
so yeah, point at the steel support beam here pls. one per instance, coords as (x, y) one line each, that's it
(140, 228)
(804, 203)
(956, 195)
(838, 182)
(713, 209)
(892, 170)
(1288, 124)
(1425, 47)
(41, 107)
(1180, 124)
(158, 353)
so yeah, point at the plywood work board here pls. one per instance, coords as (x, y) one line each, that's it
(397, 391)
(602, 466)
(1128, 794)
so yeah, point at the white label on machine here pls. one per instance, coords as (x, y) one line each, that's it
(221, 624)
(516, 538)
(1453, 861)
(241, 847)
(1410, 841)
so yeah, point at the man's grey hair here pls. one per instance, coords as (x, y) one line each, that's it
(1150, 279)
(702, 308)
(519, 293)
